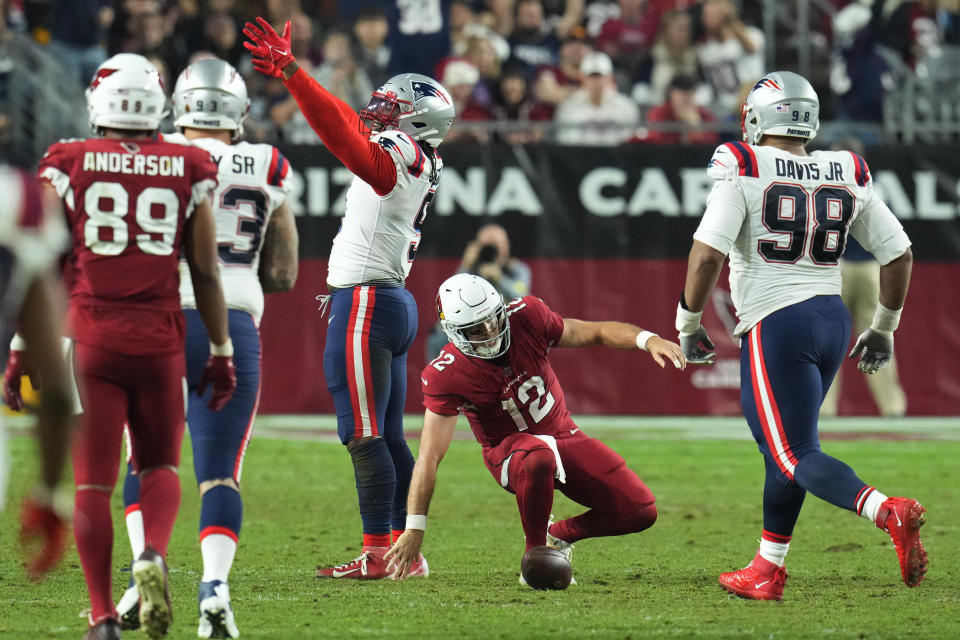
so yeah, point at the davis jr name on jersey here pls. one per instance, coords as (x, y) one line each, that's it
(783, 219)
(252, 183)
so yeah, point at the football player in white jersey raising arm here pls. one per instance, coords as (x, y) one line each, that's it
(391, 150)
(257, 246)
(782, 215)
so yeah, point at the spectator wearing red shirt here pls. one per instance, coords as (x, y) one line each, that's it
(680, 107)
(553, 84)
(460, 78)
(629, 38)
(516, 106)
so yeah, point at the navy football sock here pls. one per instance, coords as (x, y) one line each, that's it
(403, 464)
(221, 511)
(376, 484)
(131, 487)
(829, 479)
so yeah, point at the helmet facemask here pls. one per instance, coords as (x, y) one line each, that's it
(487, 338)
(382, 112)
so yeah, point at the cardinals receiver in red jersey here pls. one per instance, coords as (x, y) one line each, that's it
(133, 203)
(495, 369)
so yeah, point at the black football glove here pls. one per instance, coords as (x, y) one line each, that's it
(697, 347)
(875, 349)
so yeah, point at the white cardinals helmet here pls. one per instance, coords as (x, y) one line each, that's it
(126, 92)
(473, 316)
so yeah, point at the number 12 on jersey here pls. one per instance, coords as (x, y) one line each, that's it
(538, 404)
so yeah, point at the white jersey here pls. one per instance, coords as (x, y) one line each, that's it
(783, 219)
(378, 239)
(252, 184)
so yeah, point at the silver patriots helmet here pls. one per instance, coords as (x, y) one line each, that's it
(415, 104)
(210, 94)
(782, 103)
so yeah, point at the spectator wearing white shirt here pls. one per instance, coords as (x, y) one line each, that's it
(730, 55)
(596, 114)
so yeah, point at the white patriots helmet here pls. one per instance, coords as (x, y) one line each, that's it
(210, 94)
(473, 316)
(416, 104)
(126, 92)
(782, 103)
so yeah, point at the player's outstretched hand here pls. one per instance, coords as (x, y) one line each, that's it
(271, 53)
(874, 348)
(43, 532)
(697, 347)
(18, 365)
(404, 552)
(221, 374)
(663, 350)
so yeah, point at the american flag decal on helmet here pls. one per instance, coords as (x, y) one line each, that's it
(421, 89)
(768, 83)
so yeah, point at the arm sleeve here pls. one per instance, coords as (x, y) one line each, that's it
(878, 230)
(723, 217)
(277, 184)
(339, 128)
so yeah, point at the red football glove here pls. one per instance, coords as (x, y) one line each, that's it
(271, 53)
(220, 373)
(43, 532)
(18, 365)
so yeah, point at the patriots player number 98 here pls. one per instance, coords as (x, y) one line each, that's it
(785, 210)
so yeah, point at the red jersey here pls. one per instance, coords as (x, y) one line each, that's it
(517, 391)
(126, 204)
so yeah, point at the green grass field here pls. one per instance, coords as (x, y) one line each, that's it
(301, 511)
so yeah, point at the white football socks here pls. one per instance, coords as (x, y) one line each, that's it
(872, 505)
(218, 551)
(135, 532)
(775, 552)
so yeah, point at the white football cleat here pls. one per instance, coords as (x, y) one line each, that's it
(566, 548)
(216, 615)
(128, 609)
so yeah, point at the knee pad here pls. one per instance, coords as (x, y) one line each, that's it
(538, 463)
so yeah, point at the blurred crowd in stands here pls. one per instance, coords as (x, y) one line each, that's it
(572, 71)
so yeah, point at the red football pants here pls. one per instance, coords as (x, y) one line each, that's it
(596, 477)
(147, 392)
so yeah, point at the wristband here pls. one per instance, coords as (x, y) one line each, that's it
(643, 337)
(17, 343)
(416, 522)
(884, 320)
(687, 321)
(224, 350)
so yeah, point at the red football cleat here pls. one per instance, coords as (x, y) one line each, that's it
(759, 580)
(902, 519)
(369, 565)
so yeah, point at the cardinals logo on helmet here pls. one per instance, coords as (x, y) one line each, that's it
(101, 74)
(421, 89)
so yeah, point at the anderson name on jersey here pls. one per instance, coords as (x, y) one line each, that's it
(252, 183)
(517, 391)
(378, 239)
(783, 219)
